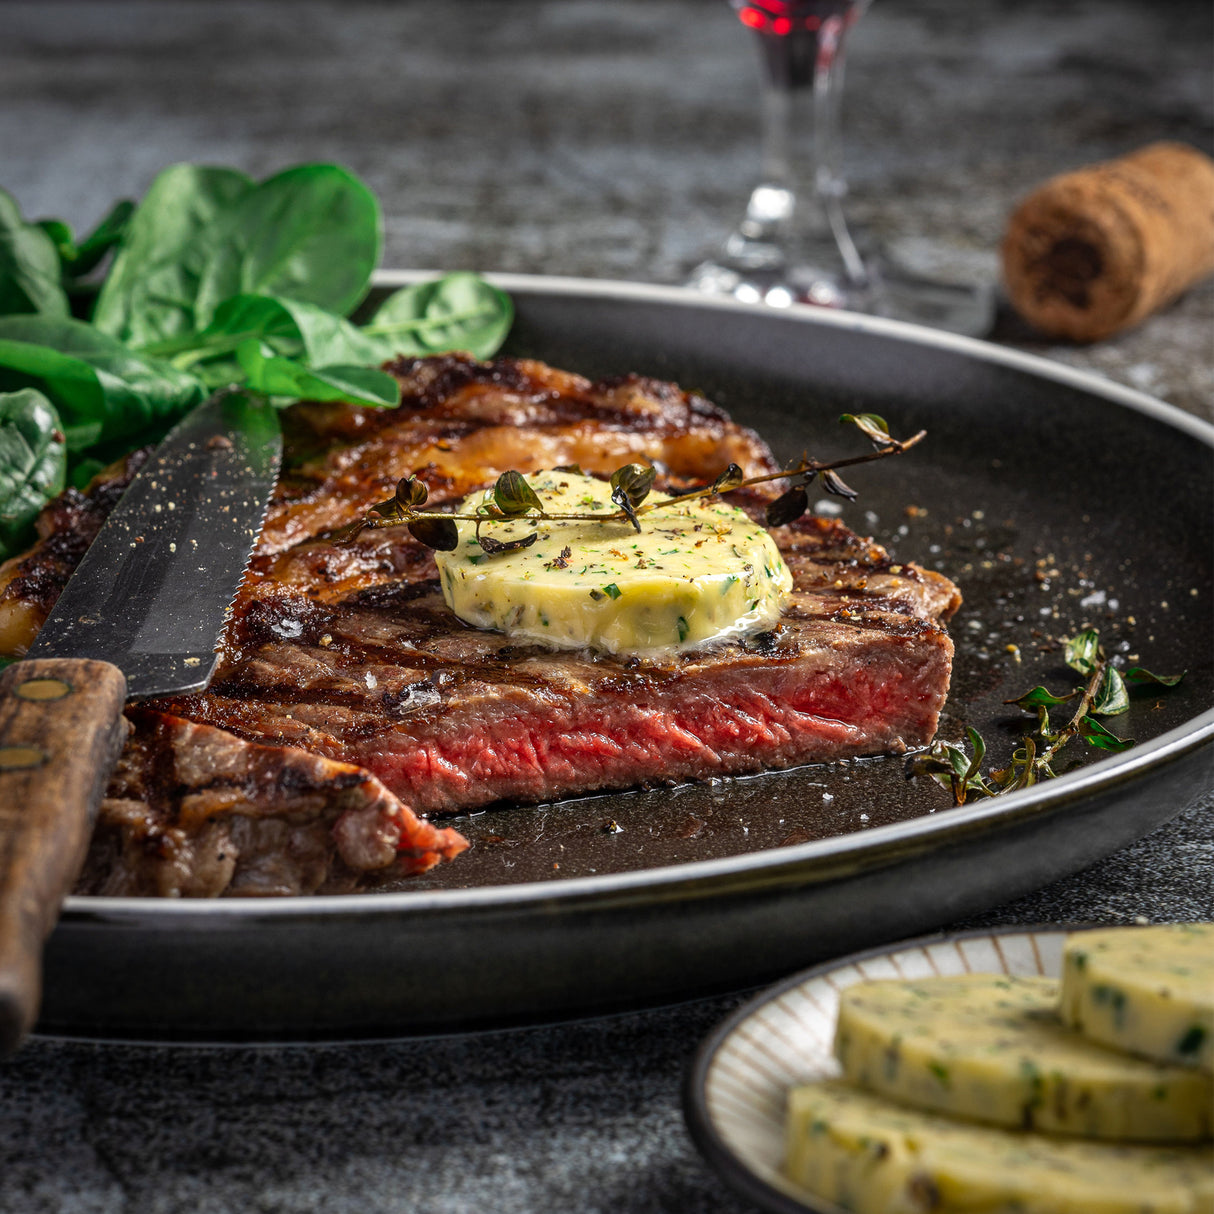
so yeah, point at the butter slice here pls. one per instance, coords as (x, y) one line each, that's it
(697, 572)
(992, 1048)
(874, 1157)
(1147, 990)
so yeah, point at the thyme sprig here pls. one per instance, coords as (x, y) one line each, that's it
(1104, 693)
(513, 497)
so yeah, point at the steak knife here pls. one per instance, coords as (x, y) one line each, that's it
(140, 617)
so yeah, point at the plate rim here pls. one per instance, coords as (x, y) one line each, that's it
(700, 1125)
(1036, 364)
(952, 823)
(874, 844)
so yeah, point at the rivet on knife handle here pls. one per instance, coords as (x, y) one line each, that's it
(61, 730)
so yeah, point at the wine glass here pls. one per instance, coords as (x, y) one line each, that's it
(793, 244)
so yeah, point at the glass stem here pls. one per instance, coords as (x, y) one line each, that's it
(795, 214)
(829, 183)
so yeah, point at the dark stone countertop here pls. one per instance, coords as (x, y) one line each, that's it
(611, 140)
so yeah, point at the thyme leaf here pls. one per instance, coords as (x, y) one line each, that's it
(621, 499)
(1082, 651)
(1136, 674)
(435, 531)
(1040, 697)
(788, 507)
(630, 486)
(732, 478)
(634, 481)
(1111, 698)
(870, 424)
(411, 492)
(1095, 734)
(513, 496)
(832, 482)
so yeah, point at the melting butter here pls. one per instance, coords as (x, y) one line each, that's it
(698, 571)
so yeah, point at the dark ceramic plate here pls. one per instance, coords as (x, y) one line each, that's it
(1055, 499)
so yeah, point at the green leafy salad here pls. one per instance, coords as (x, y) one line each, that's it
(213, 279)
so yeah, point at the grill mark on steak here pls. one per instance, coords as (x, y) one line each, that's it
(428, 639)
(353, 701)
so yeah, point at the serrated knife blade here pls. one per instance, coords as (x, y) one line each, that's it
(151, 592)
(141, 616)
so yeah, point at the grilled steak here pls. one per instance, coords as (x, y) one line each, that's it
(449, 717)
(349, 699)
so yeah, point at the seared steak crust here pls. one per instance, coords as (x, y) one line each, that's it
(359, 700)
(193, 811)
(462, 423)
(30, 583)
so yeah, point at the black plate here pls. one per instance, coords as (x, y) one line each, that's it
(1056, 500)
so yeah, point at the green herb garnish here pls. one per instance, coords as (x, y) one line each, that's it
(215, 280)
(1103, 694)
(512, 497)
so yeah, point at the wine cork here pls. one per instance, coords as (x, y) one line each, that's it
(1097, 250)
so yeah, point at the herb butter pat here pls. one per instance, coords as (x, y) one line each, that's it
(876, 1157)
(1147, 990)
(696, 572)
(991, 1047)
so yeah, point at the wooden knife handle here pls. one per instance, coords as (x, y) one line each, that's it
(61, 731)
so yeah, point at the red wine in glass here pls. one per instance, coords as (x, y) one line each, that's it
(794, 33)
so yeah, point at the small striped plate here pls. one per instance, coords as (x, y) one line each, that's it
(735, 1091)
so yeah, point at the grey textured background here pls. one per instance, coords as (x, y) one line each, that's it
(610, 139)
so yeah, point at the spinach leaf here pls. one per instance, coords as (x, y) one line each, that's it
(291, 327)
(201, 236)
(216, 280)
(151, 288)
(459, 311)
(33, 461)
(311, 233)
(77, 260)
(29, 266)
(456, 312)
(102, 390)
(61, 237)
(281, 377)
(84, 467)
